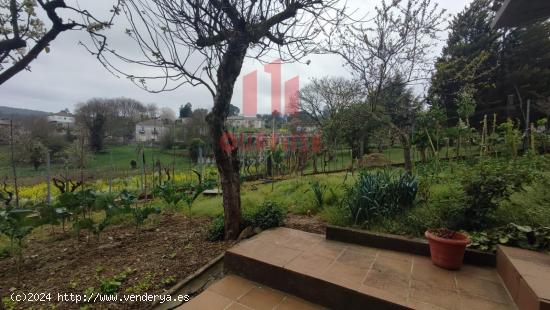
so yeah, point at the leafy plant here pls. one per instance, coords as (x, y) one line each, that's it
(216, 229)
(526, 237)
(318, 194)
(140, 214)
(485, 185)
(269, 214)
(16, 224)
(169, 193)
(512, 137)
(380, 194)
(101, 202)
(192, 192)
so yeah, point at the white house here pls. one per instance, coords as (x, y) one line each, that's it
(150, 130)
(241, 121)
(62, 120)
(62, 117)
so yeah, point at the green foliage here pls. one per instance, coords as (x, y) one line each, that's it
(142, 286)
(169, 280)
(37, 154)
(127, 198)
(526, 237)
(128, 202)
(318, 191)
(528, 206)
(267, 215)
(194, 147)
(380, 194)
(466, 104)
(486, 184)
(512, 137)
(188, 192)
(169, 193)
(216, 229)
(16, 223)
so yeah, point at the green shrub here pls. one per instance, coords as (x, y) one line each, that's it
(268, 215)
(526, 237)
(527, 207)
(216, 229)
(338, 216)
(318, 191)
(487, 184)
(380, 194)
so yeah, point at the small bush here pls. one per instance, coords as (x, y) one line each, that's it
(318, 191)
(268, 215)
(380, 194)
(526, 237)
(486, 185)
(216, 229)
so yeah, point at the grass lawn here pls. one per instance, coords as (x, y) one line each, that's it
(114, 160)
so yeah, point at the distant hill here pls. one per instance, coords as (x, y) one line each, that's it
(9, 111)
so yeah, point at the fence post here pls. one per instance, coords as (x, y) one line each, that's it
(48, 178)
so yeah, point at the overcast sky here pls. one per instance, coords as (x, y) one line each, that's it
(69, 75)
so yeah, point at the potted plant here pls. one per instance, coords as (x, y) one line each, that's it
(447, 247)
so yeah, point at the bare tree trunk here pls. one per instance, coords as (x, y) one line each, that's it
(406, 151)
(227, 161)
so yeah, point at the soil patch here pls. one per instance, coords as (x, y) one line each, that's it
(167, 250)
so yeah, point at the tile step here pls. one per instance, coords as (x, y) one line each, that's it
(526, 275)
(339, 275)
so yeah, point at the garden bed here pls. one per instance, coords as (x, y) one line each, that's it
(167, 250)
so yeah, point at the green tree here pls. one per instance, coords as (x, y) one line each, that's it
(233, 110)
(499, 63)
(37, 154)
(186, 111)
(525, 60)
(466, 104)
(469, 57)
(97, 133)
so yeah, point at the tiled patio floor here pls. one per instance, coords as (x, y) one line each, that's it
(236, 293)
(404, 279)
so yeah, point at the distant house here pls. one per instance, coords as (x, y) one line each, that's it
(150, 130)
(307, 127)
(62, 120)
(241, 121)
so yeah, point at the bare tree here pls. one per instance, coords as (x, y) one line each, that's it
(152, 111)
(395, 43)
(24, 35)
(323, 98)
(201, 42)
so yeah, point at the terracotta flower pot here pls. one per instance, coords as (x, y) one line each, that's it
(447, 253)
